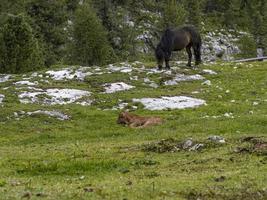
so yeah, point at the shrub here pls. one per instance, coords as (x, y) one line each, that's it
(247, 46)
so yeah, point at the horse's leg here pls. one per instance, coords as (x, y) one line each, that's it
(188, 50)
(197, 54)
(167, 63)
(167, 59)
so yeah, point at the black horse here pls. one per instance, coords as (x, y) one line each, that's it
(176, 40)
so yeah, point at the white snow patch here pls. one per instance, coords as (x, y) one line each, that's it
(65, 96)
(69, 73)
(2, 98)
(56, 96)
(177, 102)
(127, 68)
(207, 82)
(181, 77)
(115, 87)
(29, 97)
(4, 78)
(26, 83)
(53, 113)
(209, 71)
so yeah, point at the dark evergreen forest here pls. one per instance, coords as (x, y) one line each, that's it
(37, 33)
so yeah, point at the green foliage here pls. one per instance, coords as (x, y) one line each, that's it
(247, 47)
(49, 20)
(90, 44)
(194, 12)
(20, 50)
(174, 14)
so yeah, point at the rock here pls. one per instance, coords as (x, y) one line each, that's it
(187, 144)
(196, 147)
(216, 138)
(207, 82)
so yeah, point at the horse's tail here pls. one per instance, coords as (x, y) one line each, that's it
(196, 41)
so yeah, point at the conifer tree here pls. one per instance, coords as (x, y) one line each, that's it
(90, 44)
(194, 16)
(49, 21)
(20, 51)
(174, 14)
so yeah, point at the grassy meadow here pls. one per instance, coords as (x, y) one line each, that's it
(90, 156)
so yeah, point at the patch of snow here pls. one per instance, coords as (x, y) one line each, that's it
(181, 77)
(216, 138)
(255, 103)
(207, 82)
(209, 71)
(176, 102)
(80, 74)
(69, 73)
(4, 78)
(134, 78)
(65, 96)
(29, 97)
(26, 83)
(53, 113)
(127, 68)
(61, 74)
(54, 96)
(115, 87)
(120, 106)
(2, 98)
(153, 85)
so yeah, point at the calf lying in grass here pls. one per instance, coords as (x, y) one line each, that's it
(135, 121)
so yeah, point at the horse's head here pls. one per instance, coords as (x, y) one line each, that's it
(159, 53)
(123, 117)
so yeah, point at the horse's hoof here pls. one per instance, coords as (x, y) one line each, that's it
(198, 63)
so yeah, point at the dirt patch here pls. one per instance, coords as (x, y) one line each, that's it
(251, 144)
(245, 192)
(173, 145)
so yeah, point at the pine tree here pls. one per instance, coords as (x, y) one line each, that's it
(49, 21)
(90, 44)
(174, 14)
(194, 15)
(20, 50)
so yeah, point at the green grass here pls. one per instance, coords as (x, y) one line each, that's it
(92, 157)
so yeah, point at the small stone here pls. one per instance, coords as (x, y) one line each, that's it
(196, 147)
(216, 138)
(207, 82)
(188, 143)
(255, 103)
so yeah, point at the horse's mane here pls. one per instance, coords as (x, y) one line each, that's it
(196, 39)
